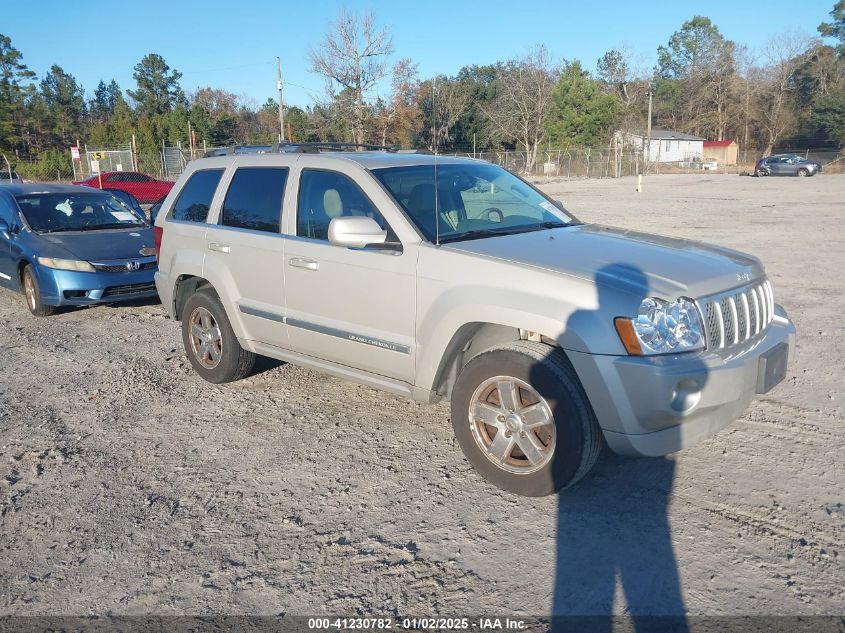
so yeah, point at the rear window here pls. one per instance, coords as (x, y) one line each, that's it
(193, 203)
(254, 199)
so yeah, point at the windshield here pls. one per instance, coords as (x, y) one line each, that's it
(473, 200)
(52, 213)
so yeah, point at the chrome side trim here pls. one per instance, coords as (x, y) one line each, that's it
(349, 336)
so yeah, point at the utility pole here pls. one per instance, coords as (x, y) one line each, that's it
(281, 104)
(648, 133)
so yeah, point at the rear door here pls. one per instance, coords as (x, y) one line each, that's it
(245, 248)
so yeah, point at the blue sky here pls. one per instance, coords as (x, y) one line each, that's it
(233, 45)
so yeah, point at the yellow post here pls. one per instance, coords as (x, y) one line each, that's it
(639, 183)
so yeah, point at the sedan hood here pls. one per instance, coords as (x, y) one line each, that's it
(102, 245)
(639, 263)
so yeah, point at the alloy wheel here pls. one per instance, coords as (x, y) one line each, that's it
(512, 425)
(206, 339)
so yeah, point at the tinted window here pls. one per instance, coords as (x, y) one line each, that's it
(324, 195)
(193, 203)
(254, 199)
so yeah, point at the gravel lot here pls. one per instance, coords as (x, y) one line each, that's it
(130, 486)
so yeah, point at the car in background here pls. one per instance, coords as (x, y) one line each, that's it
(786, 165)
(68, 245)
(130, 201)
(10, 177)
(146, 189)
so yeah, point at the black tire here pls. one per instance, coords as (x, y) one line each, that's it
(234, 361)
(547, 371)
(32, 293)
(803, 172)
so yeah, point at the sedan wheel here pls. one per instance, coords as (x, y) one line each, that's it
(32, 294)
(803, 173)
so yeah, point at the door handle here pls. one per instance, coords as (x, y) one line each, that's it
(301, 262)
(220, 248)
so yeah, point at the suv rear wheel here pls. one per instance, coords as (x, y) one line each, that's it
(523, 420)
(210, 342)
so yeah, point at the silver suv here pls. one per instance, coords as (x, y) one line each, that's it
(447, 278)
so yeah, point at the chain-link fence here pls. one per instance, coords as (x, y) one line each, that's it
(572, 162)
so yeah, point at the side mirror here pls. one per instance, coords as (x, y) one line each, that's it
(4, 229)
(356, 232)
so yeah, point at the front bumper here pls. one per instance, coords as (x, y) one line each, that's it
(662, 404)
(67, 287)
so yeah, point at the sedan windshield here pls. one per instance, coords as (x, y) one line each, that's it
(474, 200)
(53, 213)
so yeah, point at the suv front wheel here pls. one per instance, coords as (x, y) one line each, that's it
(523, 420)
(210, 342)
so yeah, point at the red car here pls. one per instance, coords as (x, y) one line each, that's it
(145, 189)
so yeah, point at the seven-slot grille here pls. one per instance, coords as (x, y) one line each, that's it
(734, 317)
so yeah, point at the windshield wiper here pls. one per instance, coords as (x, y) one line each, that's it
(509, 230)
(114, 225)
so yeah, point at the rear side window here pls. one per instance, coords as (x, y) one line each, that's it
(254, 199)
(193, 203)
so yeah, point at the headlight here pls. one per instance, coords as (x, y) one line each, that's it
(66, 264)
(662, 327)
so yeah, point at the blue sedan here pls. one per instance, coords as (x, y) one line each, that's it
(69, 245)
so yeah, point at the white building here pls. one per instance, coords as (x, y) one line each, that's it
(665, 146)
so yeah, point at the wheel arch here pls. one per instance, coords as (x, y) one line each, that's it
(469, 341)
(186, 285)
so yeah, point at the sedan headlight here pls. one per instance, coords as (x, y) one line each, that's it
(662, 327)
(66, 264)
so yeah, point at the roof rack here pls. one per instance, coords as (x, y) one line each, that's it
(309, 148)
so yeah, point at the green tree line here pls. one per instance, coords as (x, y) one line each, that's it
(790, 92)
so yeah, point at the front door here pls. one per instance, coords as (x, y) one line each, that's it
(350, 306)
(8, 276)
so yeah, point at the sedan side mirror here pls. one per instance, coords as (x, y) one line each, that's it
(356, 232)
(4, 229)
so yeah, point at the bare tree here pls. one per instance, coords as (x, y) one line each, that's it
(442, 102)
(353, 58)
(784, 54)
(397, 116)
(522, 101)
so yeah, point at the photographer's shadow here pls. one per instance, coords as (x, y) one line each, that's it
(614, 541)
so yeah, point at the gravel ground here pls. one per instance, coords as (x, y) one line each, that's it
(130, 486)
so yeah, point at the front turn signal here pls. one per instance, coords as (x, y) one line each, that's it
(625, 330)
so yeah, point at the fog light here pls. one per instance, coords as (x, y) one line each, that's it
(685, 395)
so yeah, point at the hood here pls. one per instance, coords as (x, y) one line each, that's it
(639, 263)
(102, 245)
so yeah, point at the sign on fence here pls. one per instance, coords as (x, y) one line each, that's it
(74, 153)
(95, 166)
